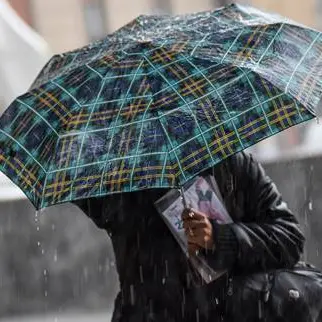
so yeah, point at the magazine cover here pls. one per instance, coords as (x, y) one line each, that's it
(201, 195)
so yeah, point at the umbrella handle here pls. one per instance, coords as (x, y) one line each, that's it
(183, 198)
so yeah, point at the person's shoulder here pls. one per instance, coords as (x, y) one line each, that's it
(238, 160)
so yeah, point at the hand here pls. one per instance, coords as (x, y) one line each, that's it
(198, 230)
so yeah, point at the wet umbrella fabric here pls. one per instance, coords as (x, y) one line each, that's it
(159, 101)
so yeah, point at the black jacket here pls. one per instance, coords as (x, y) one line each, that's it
(155, 277)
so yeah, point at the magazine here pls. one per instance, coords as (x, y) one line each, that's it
(199, 194)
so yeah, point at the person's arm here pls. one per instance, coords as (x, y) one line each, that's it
(97, 209)
(268, 235)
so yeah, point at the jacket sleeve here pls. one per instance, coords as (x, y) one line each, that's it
(268, 235)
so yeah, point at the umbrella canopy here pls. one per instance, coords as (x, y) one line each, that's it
(159, 101)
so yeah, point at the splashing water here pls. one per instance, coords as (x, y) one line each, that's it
(55, 256)
(141, 274)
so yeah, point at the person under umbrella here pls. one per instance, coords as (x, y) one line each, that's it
(154, 273)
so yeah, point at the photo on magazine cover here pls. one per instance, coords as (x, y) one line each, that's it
(199, 194)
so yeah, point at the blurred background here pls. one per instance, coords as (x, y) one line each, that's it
(55, 265)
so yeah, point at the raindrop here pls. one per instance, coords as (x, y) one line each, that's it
(38, 228)
(85, 273)
(45, 272)
(197, 315)
(53, 227)
(42, 251)
(46, 293)
(182, 309)
(55, 256)
(132, 294)
(166, 268)
(163, 280)
(38, 243)
(260, 314)
(112, 263)
(310, 205)
(141, 274)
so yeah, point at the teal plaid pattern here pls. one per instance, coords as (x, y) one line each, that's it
(159, 101)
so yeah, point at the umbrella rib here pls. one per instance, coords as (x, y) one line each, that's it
(83, 135)
(68, 93)
(172, 147)
(44, 191)
(138, 143)
(13, 139)
(153, 118)
(116, 120)
(94, 71)
(232, 45)
(188, 106)
(102, 162)
(222, 100)
(234, 117)
(298, 109)
(198, 44)
(269, 45)
(40, 116)
(258, 100)
(300, 62)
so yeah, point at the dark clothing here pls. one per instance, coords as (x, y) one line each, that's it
(155, 276)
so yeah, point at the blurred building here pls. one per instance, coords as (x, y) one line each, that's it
(69, 24)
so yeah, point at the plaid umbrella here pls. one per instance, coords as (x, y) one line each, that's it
(157, 102)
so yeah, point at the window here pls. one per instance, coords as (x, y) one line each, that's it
(162, 6)
(95, 19)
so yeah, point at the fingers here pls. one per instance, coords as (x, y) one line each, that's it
(192, 213)
(198, 229)
(194, 224)
(199, 237)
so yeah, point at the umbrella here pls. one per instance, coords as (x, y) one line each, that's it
(159, 101)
